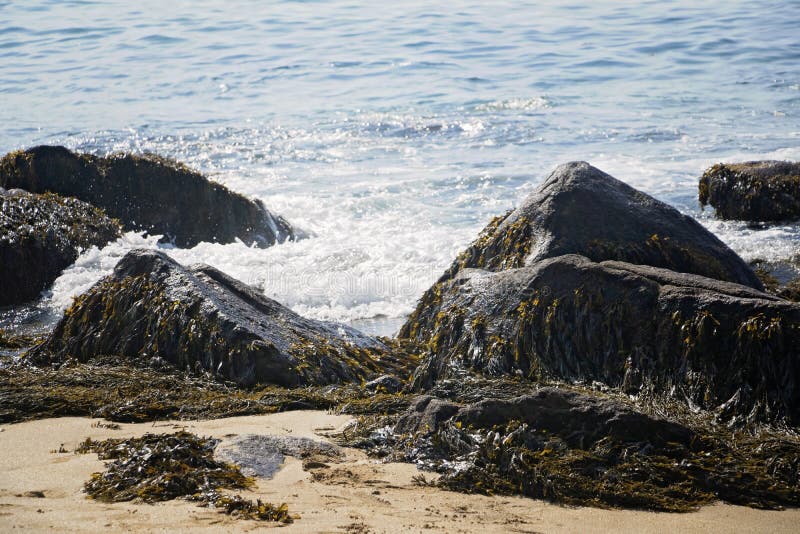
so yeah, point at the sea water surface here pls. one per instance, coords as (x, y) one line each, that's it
(394, 132)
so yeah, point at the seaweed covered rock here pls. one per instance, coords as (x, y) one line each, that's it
(40, 236)
(201, 319)
(758, 191)
(780, 277)
(643, 329)
(582, 210)
(147, 193)
(591, 449)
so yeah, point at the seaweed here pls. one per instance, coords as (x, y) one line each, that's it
(163, 467)
(117, 389)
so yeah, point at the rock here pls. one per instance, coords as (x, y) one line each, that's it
(384, 384)
(582, 210)
(591, 449)
(425, 415)
(263, 455)
(579, 418)
(645, 330)
(40, 236)
(147, 193)
(758, 191)
(781, 277)
(200, 319)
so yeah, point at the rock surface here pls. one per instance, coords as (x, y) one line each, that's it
(200, 319)
(582, 210)
(40, 236)
(645, 330)
(579, 418)
(759, 191)
(147, 193)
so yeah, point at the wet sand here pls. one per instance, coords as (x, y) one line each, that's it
(355, 494)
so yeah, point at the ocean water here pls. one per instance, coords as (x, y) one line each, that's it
(393, 134)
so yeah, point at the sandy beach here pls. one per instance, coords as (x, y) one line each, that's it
(357, 494)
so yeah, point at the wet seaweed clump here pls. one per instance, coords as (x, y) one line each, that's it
(163, 467)
(127, 391)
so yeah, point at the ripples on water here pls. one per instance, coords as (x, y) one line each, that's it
(394, 135)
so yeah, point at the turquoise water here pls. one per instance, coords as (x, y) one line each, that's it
(394, 134)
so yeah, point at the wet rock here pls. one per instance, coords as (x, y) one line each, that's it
(263, 455)
(425, 415)
(645, 330)
(40, 236)
(384, 384)
(781, 278)
(759, 191)
(582, 210)
(579, 418)
(592, 449)
(200, 319)
(147, 193)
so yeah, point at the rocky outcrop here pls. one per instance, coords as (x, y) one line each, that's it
(759, 191)
(147, 193)
(581, 448)
(642, 329)
(40, 236)
(582, 210)
(200, 319)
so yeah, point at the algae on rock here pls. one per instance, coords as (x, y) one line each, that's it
(40, 236)
(757, 191)
(148, 193)
(202, 320)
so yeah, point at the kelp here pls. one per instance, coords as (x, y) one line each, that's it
(163, 467)
(116, 389)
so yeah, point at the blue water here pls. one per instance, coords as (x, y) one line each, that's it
(393, 134)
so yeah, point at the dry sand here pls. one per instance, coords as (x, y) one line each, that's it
(355, 495)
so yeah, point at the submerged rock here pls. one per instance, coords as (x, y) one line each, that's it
(759, 191)
(40, 236)
(200, 319)
(147, 193)
(646, 330)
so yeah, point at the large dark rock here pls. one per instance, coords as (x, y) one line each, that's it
(759, 191)
(579, 418)
(643, 329)
(40, 236)
(147, 193)
(582, 210)
(201, 319)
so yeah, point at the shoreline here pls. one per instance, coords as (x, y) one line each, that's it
(356, 494)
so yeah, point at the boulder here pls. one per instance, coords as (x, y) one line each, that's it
(758, 191)
(40, 236)
(582, 210)
(645, 330)
(580, 418)
(147, 193)
(200, 319)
